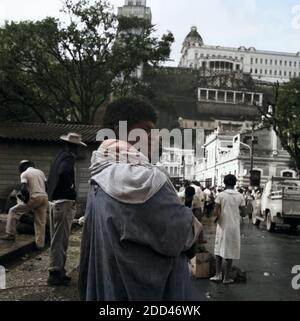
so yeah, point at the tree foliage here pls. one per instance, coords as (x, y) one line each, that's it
(52, 70)
(284, 118)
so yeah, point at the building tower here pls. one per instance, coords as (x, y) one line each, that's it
(136, 8)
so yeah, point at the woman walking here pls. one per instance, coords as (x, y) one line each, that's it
(228, 205)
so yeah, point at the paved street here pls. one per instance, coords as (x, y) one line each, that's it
(267, 259)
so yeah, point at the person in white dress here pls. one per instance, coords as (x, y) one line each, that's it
(228, 207)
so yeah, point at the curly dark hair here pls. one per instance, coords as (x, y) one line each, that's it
(130, 109)
(230, 180)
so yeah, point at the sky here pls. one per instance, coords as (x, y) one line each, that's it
(263, 24)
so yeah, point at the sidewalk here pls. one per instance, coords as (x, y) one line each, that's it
(26, 280)
(13, 250)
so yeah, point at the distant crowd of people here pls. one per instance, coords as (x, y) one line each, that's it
(202, 199)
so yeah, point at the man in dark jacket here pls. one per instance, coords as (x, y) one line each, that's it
(62, 195)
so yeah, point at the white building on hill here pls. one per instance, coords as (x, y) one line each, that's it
(269, 66)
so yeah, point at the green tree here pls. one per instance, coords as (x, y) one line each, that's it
(283, 116)
(64, 71)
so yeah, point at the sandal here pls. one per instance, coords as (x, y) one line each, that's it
(216, 278)
(230, 281)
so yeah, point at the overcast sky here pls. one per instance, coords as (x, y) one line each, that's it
(264, 24)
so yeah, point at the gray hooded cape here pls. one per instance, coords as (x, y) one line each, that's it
(134, 238)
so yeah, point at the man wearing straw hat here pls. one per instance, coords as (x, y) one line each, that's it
(62, 195)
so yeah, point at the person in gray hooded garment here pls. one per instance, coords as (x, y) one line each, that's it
(137, 236)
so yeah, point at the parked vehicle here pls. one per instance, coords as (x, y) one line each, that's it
(280, 203)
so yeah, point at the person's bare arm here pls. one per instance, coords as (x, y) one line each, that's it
(217, 212)
(24, 192)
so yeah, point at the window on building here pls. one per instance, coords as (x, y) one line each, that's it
(261, 71)
(285, 63)
(266, 61)
(255, 71)
(280, 62)
(285, 74)
(275, 62)
(280, 73)
(287, 174)
(290, 74)
(290, 64)
(172, 141)
(256, 60)
(172, 157)
(252, 62)
(271, 62)
(266, 71)
(270, 72)
(275, 72)
(295, 64)
(261, 61)
(196, 55)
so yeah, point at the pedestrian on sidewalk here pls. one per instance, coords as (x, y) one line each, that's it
(33, 198)
(228, 207)
(136, 233)
(62, 194)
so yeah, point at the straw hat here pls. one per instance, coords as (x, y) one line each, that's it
(73, 138)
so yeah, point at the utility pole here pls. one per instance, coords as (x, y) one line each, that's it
(252, 155)
(254, 140)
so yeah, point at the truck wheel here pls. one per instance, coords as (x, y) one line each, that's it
(270, 225)
(255, 221)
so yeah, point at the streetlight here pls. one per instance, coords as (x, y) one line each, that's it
(181, 126)
(254, 140)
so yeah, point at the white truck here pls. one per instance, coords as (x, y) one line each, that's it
(280, 203)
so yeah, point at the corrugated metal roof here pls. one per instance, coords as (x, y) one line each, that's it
(46, 132)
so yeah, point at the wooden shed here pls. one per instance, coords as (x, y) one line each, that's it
(40, 143)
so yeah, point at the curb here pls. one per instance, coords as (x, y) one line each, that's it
(16, 251)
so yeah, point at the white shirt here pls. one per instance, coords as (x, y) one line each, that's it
(35, 180)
